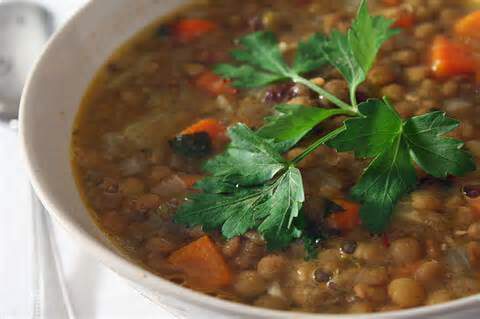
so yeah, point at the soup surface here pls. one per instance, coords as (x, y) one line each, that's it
(156, 112)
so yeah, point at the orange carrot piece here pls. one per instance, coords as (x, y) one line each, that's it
(213, 127)
(469, 25)
(406, 20)
(391, 2)
(213, 84)
(203, 264)
(475, 206)
(348, 219)
(451, 58)
(190, 29)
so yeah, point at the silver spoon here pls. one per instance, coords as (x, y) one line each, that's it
(24, 29)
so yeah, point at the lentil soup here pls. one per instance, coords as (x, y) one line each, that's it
(159, 110)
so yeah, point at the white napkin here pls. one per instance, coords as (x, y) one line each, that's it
(94, 290)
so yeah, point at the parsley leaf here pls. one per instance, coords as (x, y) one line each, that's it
(249, 159)
(281, 210)
(292, 122)
(309, 56)
(264, 63)
(437, 155)
(353, 53)
(394, 145)
(371, 133)
(388, 177)
(251, 186)
(263, 60)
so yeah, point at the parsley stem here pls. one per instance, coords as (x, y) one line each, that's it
(317, 144)
(332, 98)
(353, 99)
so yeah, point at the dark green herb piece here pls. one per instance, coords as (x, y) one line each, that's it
(437, 155)
(353, 53)
(249, 159)
(192, 145)
(163, 31)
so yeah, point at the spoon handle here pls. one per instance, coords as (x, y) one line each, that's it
(50, 293)
(24, 29)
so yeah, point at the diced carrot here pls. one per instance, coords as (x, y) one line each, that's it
(203, 264)
(347, 219)
(213, 127)
(391, 2)
(406, 20)
(451, 58)
(469, 25)
(187, 30)
(475, 206)
(386, 240)
(213, 84)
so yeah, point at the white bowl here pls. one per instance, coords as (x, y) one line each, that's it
(49, 106)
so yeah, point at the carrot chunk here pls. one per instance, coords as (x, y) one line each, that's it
(203, 264)
(469, 25)
(347, 219)
(391, 2)
(190, 29)
(213, 127)
(213, 84)
(451, 58)
(474, 204)
(406, 20)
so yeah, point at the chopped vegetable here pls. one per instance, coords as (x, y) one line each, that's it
(192, 145)
(348, 218)
(187, 30)
(406, 20)
(203, 264)
(214, 85)
(391, 2)
(451, 58)
(213, 127)
(469, 25)
(473, 200)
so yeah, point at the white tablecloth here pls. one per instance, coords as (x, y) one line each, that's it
(94, 290)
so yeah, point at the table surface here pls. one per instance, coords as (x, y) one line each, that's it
(95, 291)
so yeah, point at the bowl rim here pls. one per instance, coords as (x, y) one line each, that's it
(127, 268)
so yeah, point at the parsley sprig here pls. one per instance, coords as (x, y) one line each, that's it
(252, 186)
